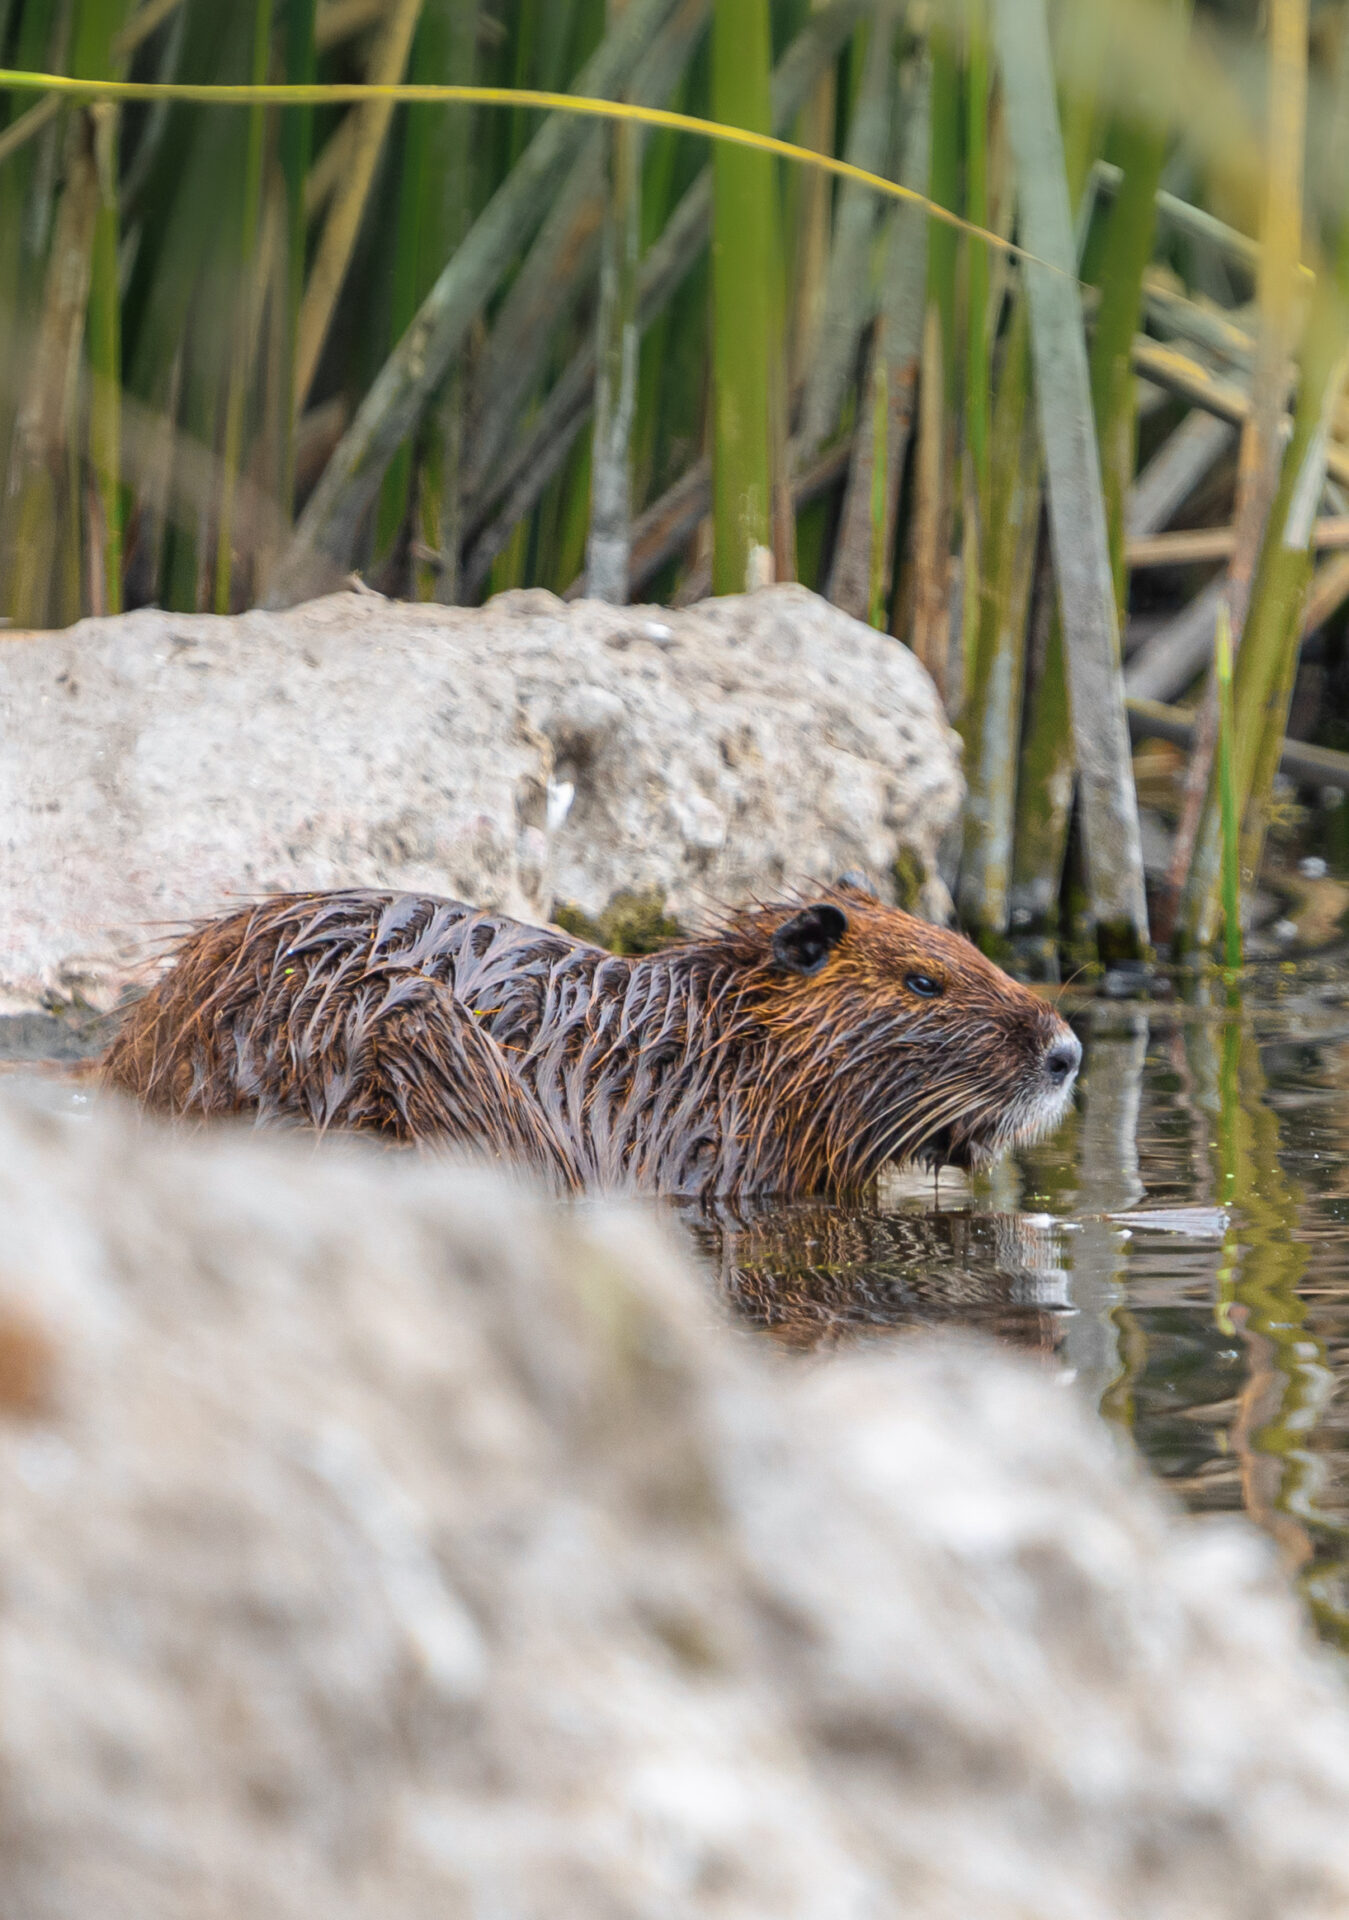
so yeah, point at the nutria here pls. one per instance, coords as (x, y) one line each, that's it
(794, 1049)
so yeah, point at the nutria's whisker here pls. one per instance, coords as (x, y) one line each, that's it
(912, 1131)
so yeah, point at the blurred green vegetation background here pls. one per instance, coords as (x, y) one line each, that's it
(248, 350)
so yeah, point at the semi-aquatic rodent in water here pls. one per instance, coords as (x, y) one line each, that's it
(795, 1049)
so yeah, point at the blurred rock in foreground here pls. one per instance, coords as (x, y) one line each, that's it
(375, 1541)
(527, 755)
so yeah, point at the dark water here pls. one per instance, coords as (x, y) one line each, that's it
(1212, 1322)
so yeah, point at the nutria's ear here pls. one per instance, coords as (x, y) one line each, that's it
(803, 943)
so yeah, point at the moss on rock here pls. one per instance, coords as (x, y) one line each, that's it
(631, 923)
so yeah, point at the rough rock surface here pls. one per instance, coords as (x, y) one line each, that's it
(159, 766)
(376, 1541)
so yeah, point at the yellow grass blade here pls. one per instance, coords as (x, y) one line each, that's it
(281, 94)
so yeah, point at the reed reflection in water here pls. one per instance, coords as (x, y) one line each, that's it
(1180, 1248)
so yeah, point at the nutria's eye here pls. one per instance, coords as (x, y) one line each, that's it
(923, 985)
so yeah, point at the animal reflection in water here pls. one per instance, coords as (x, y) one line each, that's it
(813, 1274)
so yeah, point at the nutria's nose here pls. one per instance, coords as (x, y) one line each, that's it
(1064, 1058)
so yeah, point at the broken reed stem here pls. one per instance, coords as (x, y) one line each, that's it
(1196, 544)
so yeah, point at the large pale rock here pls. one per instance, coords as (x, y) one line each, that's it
(521, 756)
(376, 1541)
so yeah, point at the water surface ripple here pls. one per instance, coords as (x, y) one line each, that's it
(1180, 1248)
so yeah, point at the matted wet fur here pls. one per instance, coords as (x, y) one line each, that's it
(794, 1049)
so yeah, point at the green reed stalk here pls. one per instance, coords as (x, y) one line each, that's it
(746, 344)
(943, 242)
(1044, 774)
(860, 545)
(447, 41)
(977, 322)
(1110, 830)
(1126, 249)
(98, 23)
(14, 174)
(609, 546)
(1231, 826)
(848, 301)
(808, 219)
(658, 199)
(975, 530)
(246, 299)
(295, 141)
(332, 258)
(672, 270)
(939, 411)
(45, 496)
(30, 308)
(326, 533)
(1195, 856)
(1046, 777)
(404, 298)
(990, 720)
(1266, 664)
(880, 545)
(179, 307)
(558, 271)
(433, 209)
(105, 364)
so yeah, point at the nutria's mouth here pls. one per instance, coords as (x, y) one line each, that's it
(1030, 1117)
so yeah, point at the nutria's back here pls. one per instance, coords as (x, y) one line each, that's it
(794, 1049)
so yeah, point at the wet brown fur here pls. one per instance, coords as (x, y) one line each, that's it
(711, 1068)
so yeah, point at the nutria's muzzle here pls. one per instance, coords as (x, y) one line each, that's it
(1016, 1114)
(1062, 1060)
(1047, 1097)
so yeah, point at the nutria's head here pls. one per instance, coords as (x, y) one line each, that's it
(894, 1040)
